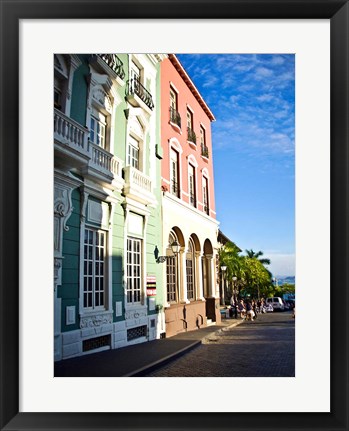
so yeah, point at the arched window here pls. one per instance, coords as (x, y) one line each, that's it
(171, 272)
(64, 68)
(190, 268)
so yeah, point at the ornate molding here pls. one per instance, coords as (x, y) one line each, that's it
(135, 314)
(96, 320)
(84, 198)
(63, 204)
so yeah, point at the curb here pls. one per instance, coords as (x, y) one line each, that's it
(219, 331)
(163, 361)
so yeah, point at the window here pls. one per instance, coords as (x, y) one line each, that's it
(134, 270)
(171, 272)
(191, 135)
(133, 152)
(61, 81)
(205, 196)
(190, 265)
(57, 94)
(204, 148)
(202, 136)
(139, 85)
(173, 99)
(98, 126)
(174, 114)
(94, 268)
(135, 75)
(174, 173)
(135, 72)
(189, 119)
(64, 69)
(192, 190)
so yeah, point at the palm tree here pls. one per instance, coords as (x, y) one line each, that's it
(229, 256)
(253, 255)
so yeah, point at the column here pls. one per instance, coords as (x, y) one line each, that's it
(183, 297)
(211, 278)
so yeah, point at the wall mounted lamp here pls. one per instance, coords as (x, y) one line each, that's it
(175, 247)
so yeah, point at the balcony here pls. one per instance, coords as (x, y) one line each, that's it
(109, 64)
(74, 152)
(101, 164)
(174, 188)
(138, 186)
(192, 199)
(204, 151)
(175, 117)
(114, 62)
(191, 136)
(71, 143)
(137, 93)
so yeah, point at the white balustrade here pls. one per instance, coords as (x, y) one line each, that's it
(116, 166)
(70, 132)
(101, 158)
(138, 179)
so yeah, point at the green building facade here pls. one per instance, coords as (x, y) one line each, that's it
(107, 202)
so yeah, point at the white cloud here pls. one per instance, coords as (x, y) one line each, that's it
(262, 73)
(281, 264)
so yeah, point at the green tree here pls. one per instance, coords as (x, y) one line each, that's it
(257, 278)
(283, 289)
(229, 256)
(253, 255)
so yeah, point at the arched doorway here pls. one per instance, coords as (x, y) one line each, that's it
(208, 277)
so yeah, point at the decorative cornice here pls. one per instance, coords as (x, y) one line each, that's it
(96, 320)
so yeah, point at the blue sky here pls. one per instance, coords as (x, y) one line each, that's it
(253, 100)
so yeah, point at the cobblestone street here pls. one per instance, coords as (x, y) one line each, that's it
(262, 348)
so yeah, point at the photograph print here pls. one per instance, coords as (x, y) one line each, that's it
(174, 215)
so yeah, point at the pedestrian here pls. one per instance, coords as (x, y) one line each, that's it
(233, 312)
(241, 309)
(249, 311)
(254, 308)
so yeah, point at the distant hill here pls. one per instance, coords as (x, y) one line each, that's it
(286, 279)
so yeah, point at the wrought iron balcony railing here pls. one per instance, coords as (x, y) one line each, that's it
(175, 117)
(204, 151)
(206, 209)
(174, 188)
(191, 136)
(192, 199)
(114, 62)
(135, 87)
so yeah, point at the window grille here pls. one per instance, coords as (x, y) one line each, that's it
(96, 343)
(134, 333)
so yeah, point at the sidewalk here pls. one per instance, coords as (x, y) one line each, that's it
(137, 359)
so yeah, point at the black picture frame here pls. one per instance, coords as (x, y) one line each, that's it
(11, 12)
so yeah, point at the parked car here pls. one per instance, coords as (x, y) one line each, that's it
(276, 303)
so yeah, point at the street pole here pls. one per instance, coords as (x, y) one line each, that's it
(223, 269)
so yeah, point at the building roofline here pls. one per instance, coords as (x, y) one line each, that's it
(226, 239)
(184, 75)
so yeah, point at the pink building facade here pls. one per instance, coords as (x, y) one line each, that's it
(191, 294)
